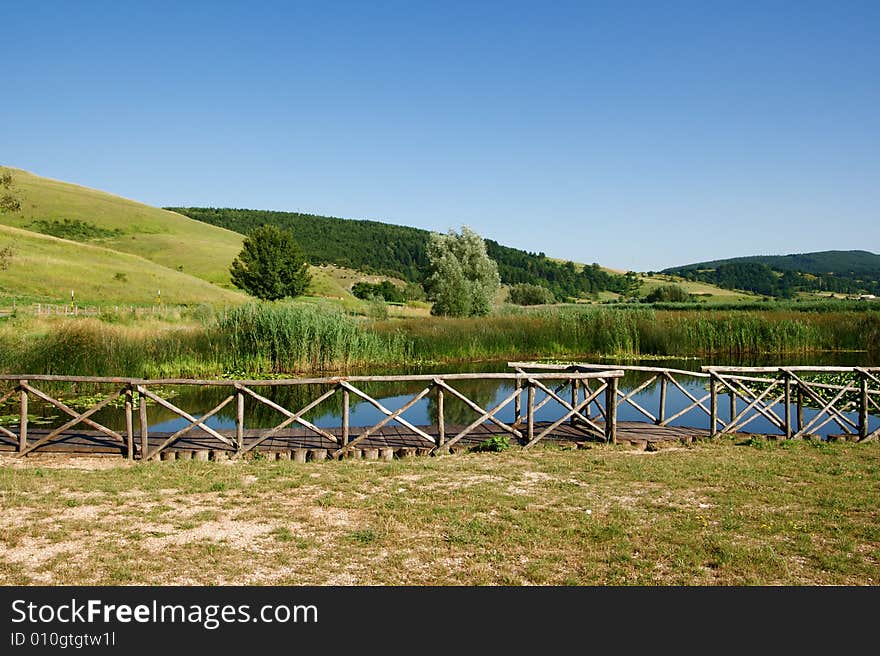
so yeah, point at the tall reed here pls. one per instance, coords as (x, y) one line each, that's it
(294, 337)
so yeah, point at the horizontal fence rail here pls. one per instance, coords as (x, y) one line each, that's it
(776, 394)
(135, 393)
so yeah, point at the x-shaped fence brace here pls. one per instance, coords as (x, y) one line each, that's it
(440, 385)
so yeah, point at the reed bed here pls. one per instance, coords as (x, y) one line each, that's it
(290, 338)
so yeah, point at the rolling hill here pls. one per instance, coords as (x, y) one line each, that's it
(847, 272)
(165, 238)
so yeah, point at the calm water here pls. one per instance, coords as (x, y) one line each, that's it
(200, 400)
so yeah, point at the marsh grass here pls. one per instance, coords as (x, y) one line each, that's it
(551, 516)
(298, 337)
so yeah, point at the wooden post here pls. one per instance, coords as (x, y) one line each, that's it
(145, 436)
(239, 420)
(530, 411)
(587, 392)
(575, 397)
(441, 419)
(713, 405)
(517, 402)
(800, 408)
(23, 418)
(863, 407)
(345, 416)
(787, 406)
(611, 411)
(129, 423)
(661, 416)
(732, 405)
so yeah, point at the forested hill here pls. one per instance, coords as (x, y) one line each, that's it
(400, 251)
(849, 272)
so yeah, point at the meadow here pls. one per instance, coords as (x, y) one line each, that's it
(551, 516)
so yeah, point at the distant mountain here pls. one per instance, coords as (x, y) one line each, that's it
(847, 272)
(400, 251)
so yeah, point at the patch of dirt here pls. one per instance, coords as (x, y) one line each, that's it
(237, 534)
(64, 461)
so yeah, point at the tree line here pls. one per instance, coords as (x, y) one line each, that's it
(402, 251)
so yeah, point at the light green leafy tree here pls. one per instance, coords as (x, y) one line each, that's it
(462, 279)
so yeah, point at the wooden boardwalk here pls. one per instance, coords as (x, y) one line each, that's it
(396, 438)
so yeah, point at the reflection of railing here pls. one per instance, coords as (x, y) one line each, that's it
(138, 392)
(755, 386)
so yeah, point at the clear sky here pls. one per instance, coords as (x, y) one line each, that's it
(639, 135)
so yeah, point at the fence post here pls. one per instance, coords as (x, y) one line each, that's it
(345, 416)
(239, 419)
(575, 397)
(517, 402)
(145, 433)
(530, 411)
(611, 411)
(441, 418)
(787, 405)
(23, 418)
(863, 407)
(129, 422)
(800, 408)
(713, 404)
(661, 415)
(732, 405)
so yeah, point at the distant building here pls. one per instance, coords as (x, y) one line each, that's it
(867, 297)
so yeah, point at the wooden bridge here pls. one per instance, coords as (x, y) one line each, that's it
(582, 399)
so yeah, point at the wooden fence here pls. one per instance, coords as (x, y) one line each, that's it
(761, 390)
(140, 393)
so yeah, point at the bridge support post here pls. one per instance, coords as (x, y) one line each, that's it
(863, 406)
(611, 411)
(575, 397)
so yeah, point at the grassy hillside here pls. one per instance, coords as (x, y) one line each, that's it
(44, 268)
(702, 290)
(165, 238)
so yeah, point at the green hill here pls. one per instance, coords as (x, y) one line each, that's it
(168, 239)
(400, 251)
(846, 272)
(44, 268)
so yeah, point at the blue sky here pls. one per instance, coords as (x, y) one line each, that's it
(639, 135)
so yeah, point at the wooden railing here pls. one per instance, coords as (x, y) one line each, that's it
(762, 390)
(140, 392)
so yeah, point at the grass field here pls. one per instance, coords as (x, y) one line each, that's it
(552, 516)
(46, 269)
